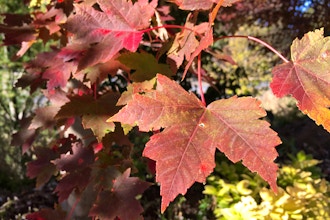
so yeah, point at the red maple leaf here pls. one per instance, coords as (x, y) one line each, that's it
(80, 157)
(77, 165)
(53, 67)
(47, 214)
(106, 32)
(120, 201)
(75, 180)
(25, 136)
(207, 38)
(184, 150)
(101, 71)
(45, 116)
(25, 30)
(17, 28)
(94, 112)
(42, 168)
(307, 76)
(185, 43)
(205, 42)
(138, 87)
(49, 20)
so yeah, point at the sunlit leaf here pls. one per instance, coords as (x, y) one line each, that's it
(307, 76)
(184, 150)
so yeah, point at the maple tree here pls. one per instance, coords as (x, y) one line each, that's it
(101, 48)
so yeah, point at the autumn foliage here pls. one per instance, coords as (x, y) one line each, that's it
(95, 42)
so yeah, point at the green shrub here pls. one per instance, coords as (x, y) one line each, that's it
(302, 193)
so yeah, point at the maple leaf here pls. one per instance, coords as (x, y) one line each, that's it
(17, 29)
(184, 150)
(120, 201)
(307, 76)
(106, 32)
(32, 79)
(104, 173)
(135, 88)
(42, 168)
(80, 157)
(101, 71)
(52, 67)
(145, 65)
(113, 154)
(207, 38)
(24, 30)
(75, 180)
(50, 20)
(94, 112)
(58, 74)
(184, 44)
(45, 116)
(25, 136)
(118, 137)
(77, 165)
(47, 213)
(201, 4)
(205, 42)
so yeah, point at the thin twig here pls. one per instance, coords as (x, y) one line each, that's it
(258, 41)
(200, 85)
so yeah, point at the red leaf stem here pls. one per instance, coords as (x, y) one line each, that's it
(258, 41)
(199, 64)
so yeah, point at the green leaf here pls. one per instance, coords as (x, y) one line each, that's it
(145, 65)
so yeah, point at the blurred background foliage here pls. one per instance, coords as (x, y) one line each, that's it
(15, 104)
(16, 107)
(238, 194)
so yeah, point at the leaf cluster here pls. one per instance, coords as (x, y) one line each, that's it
(113, 66)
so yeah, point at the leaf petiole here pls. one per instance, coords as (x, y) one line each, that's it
(199, 72)
(258, 41)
